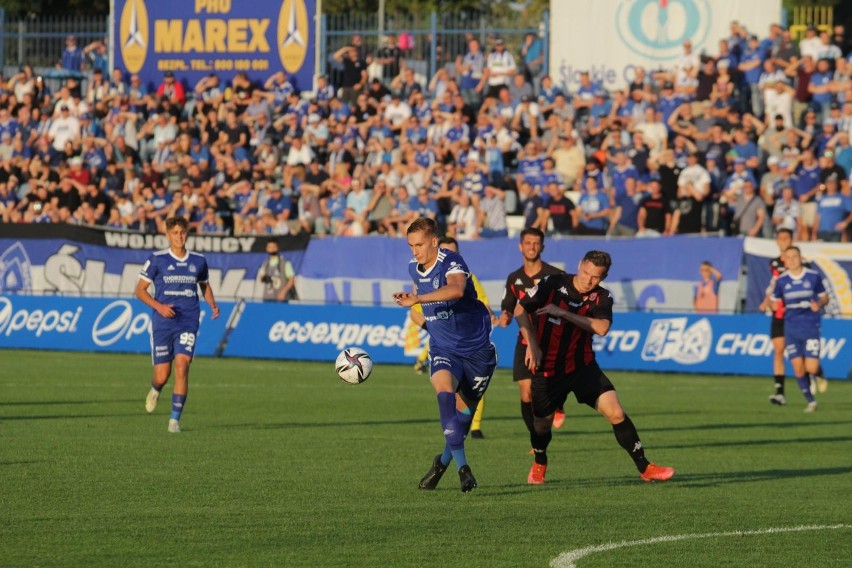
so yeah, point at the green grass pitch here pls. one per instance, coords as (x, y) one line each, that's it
(282, 464)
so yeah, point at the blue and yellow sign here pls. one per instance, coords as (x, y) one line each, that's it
(194, 38)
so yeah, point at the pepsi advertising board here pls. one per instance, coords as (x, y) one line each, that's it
(194, 38)
(93, 324)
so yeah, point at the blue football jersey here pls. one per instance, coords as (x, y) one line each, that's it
(797, 292)
(462, 326)
(176, 282)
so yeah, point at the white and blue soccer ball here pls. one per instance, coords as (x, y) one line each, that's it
(354, 365)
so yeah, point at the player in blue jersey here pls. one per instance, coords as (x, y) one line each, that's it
(461, 354)
(176, 275)
(804, 295)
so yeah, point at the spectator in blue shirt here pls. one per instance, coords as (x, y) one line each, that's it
(532, 53)
(72, 56)
(834, 212)
(594, 210)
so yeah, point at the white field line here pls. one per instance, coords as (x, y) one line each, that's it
(568, 559)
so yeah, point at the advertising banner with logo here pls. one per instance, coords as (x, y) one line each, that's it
(92, 324)
(615, 36)
(657, 274)
(637, 342)
(194, 38)
(736, 345)
(77, 261)
(832, 260)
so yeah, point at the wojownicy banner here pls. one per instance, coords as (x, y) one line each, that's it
(79, 261)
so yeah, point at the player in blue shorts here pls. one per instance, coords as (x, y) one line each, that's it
(176, 275)
(804, 295)
(461, 354)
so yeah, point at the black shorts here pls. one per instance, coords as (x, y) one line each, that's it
(519, 368)
(550, 393)
(776, 329)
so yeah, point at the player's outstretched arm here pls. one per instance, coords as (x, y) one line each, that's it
(594, 325)
(207, 292)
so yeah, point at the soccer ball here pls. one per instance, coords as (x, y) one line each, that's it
(353, 365)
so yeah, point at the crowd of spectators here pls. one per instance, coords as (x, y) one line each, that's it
(749, 138)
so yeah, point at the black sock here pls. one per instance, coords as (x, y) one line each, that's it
(779, 384)
(527, 415)
(539, 444)
(628, 439)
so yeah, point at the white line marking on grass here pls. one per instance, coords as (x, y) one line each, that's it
(568, 559)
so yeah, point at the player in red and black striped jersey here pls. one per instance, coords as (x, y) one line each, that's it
(569, 309)
(518, 285)
(784, 240)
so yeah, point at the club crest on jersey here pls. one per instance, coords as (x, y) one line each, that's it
(593, 296)
(192, 268)
(436, 283)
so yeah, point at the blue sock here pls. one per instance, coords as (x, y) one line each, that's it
(465, 419)
(155, 387)
(446, 455)
(178, 401)
(453, 433)
(805, 387)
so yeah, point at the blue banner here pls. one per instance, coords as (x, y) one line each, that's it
(194, 38)
(647, 274)
(637, 341)
(92, 324)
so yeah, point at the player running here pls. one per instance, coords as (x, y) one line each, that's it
(804, 295)
(176, 275)
(784, 240)
(416, 315)
(569, 309)
(462, 355)
(518, 285)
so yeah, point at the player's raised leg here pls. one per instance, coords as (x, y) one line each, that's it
(161, 377)
(627, 437)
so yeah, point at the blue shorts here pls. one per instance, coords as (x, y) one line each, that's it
(473, 371)
(801, 345)
(175, 339)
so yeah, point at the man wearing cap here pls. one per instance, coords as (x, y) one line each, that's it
(499, 68)
(834, 212)
(63, 129)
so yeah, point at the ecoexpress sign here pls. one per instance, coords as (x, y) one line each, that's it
(87, 324)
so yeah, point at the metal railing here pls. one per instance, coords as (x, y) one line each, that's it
(40, 41)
